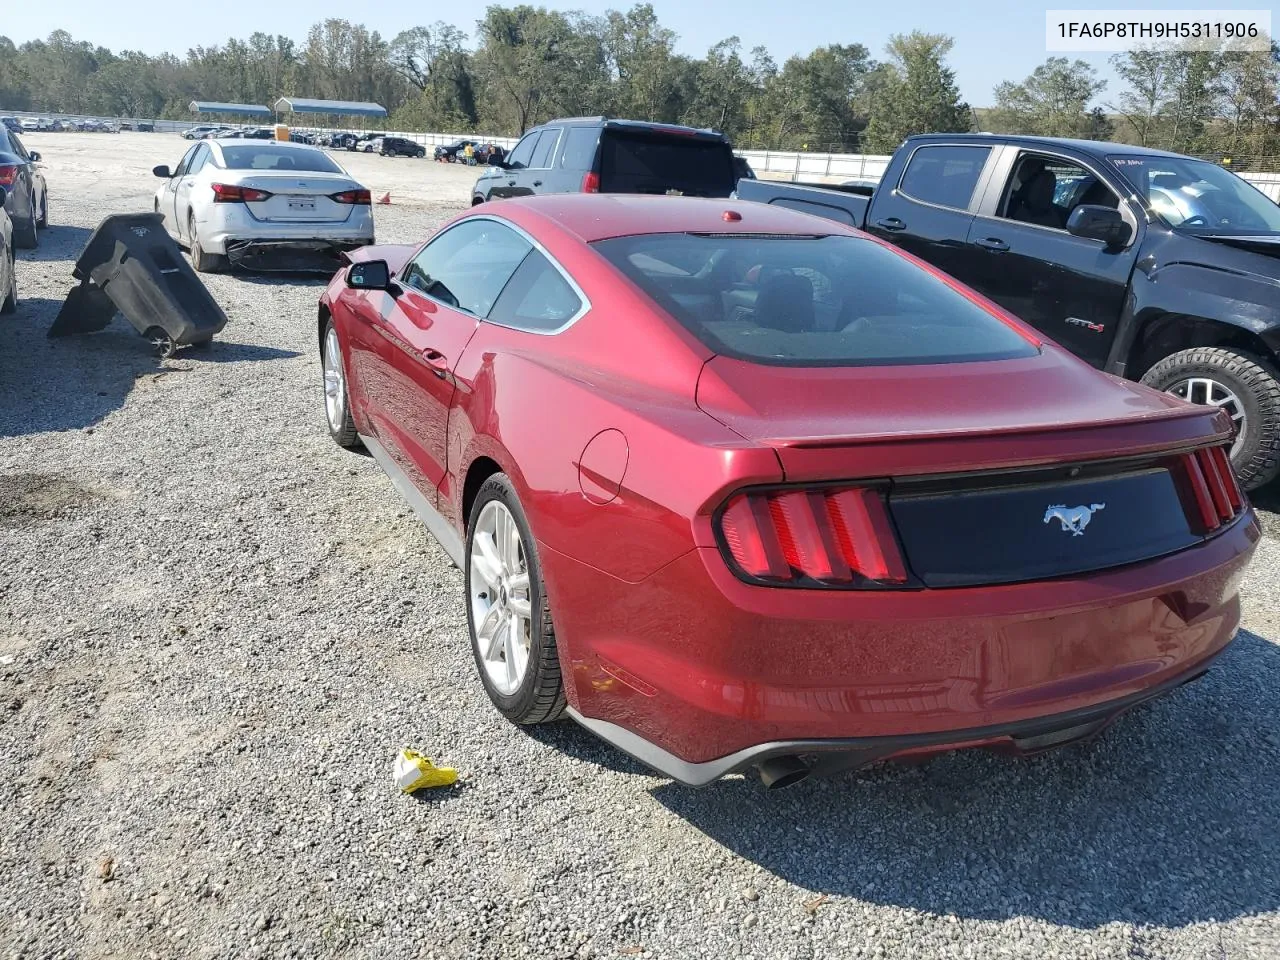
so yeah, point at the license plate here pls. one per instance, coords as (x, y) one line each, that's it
(302, 204)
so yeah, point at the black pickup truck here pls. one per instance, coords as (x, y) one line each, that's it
(1149, 265)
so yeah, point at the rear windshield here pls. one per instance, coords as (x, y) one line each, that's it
(810, 301)
(665, 164)
(267, 157)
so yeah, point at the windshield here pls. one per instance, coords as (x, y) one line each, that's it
(810, 301)
(1195, 196)
(267, 157)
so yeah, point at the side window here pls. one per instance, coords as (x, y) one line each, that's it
(1044, 190)
(538, 298)
(18, 147)
(944, 175)
(186, 162)
(817, 209)
(199, 160)
(580, 148)
(467, 266)
(523, 152)
(546, 148)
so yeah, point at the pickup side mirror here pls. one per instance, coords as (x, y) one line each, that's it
(369, 275)
(1094, 222)
(162, 172)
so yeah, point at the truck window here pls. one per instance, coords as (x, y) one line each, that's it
(580, 148)
(523, 151)
(546, 149)
(1044, 190)
(944, 175)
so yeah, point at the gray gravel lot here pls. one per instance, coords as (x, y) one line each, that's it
(216, 629)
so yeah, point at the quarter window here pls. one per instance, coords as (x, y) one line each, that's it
(537, 298)
(944, 175)
(467, 266)
(580, 148)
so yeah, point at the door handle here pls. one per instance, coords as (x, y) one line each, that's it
(537, 183)
(436, 361)
(891, 223)
(994, 244)
(511, 183)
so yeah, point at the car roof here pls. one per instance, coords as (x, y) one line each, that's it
(1094, 148)
(598, 216)
(282, 144)
(618, 124)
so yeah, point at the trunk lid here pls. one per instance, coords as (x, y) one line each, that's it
(997, 471)
(299, 197)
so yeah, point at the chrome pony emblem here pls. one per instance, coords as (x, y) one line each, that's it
(1073, 519)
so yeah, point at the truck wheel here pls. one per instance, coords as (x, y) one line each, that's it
(1246, 387)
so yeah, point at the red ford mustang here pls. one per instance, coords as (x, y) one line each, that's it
(733, 486)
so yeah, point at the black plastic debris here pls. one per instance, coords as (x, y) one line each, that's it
(132, 265)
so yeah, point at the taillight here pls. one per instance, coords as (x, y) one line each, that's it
(591, 182)
(232, 193)
(8, 174)
(811, 536)
(1215, 495)
(360, 197)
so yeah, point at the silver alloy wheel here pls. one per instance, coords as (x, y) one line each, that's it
(1212, 393)
(335, 388)
(501, 602)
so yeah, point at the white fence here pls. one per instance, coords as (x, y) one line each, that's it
(771, 164)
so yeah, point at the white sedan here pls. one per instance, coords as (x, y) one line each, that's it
(265, 205)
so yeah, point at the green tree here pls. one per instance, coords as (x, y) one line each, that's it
(1052, 102)
(916, 93)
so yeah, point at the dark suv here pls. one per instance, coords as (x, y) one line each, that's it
(596, 155)
(400, 147)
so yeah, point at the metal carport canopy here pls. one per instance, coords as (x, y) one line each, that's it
(208, 106)
(334, 107)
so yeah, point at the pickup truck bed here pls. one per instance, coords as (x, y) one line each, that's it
(847, 205)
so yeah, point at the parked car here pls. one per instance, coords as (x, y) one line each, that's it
(360, 141)
(197, 133)
(1125, 263)
(400, 147)
(452, 152)
(733, 486)
(31, 124)
(12, 124)
(371, 146)
(8, 263)
(595, 155)
(26, 193)
(145, 126)
(264, 205)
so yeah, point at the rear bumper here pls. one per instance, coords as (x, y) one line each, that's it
(1022, 738)
(699, 674)
(320, 256)
(231, 223)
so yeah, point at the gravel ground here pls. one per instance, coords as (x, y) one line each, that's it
(216, 629)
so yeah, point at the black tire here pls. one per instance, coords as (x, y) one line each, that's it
(540, 696)
(203, 262)
(1255, 381)
(344, 434)
(25, 236)
(420, 154)
(10, 302)
(163, 344)
(43, 221)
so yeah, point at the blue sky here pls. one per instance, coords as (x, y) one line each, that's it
(995, 39)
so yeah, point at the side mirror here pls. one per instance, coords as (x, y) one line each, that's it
(35, 157)
(369, 275)
(162, 172)
(1094, 222)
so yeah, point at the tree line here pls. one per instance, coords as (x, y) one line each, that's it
(528, 64)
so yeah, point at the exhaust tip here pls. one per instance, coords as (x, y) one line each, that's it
(779, 772)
